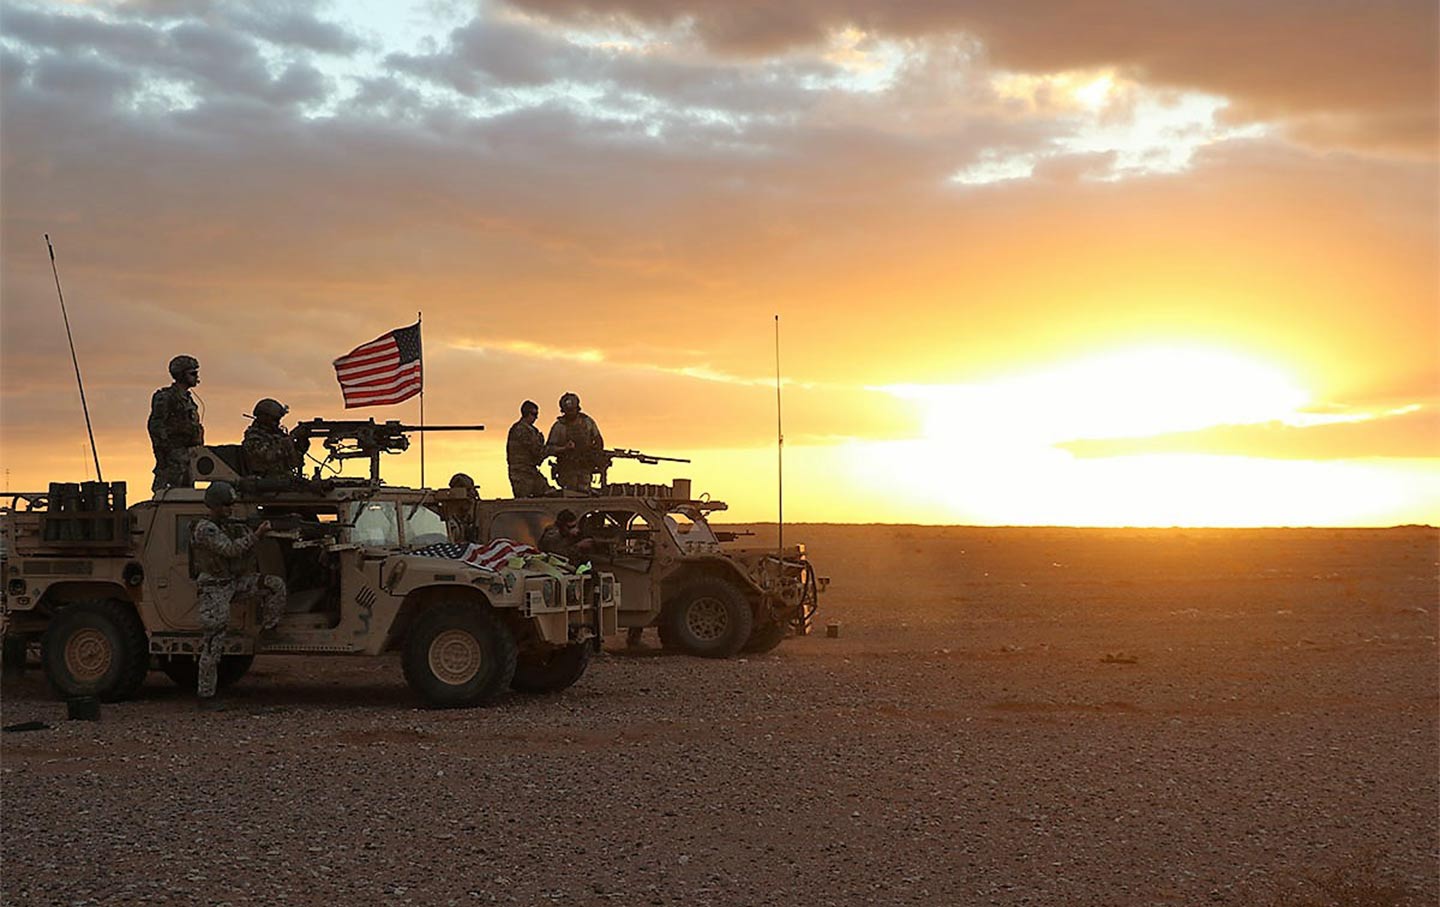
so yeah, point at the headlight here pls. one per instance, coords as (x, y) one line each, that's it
(573, 591)
(552, 592)
(607, 588)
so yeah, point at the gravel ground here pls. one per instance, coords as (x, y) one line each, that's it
(1268, 709)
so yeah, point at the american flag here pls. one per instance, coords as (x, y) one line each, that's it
(385, 370)
(487, 557)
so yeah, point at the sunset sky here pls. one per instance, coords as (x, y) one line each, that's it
(1133, 263)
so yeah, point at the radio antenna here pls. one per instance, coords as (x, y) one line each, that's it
(75, 361)
(779, 456)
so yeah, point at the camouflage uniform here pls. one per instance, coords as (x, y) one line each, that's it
(270, 452)
(573, 468)
(227, 569)
(554, 541)
(524, 452)
(175, 427)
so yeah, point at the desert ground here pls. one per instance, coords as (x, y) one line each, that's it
(1009, 716)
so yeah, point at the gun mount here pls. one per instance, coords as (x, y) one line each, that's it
(349, 439)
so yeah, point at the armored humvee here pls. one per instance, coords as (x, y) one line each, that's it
(107, 588)
(706, 595)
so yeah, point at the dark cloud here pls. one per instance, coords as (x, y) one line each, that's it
(1374, 63)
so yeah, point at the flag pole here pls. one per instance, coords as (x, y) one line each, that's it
(419, 317)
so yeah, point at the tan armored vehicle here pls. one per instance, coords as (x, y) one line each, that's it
(108, 588)
(707, 595)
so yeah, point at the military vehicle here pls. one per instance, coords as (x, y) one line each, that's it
(706, 594)
(107, 588)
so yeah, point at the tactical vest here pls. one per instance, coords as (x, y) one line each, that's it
(206, 561)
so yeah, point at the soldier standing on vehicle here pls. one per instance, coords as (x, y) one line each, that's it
(270, 451)
(174, 425)
(563, 538)
(578, 447)
(525, 450)
(226, 567)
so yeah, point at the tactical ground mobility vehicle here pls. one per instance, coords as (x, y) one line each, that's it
(106, 588)
(705, 594)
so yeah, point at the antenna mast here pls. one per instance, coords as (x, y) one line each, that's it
(76, 362)
(779, 455)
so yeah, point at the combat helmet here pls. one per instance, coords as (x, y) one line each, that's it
(270, 410)
(219, 494)
(569, 395)
(182, 364)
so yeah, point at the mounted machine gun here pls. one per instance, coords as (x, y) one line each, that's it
(350, 439)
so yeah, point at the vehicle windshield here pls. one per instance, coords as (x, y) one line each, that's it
(375, 524)
(423, 526)
(688, 526)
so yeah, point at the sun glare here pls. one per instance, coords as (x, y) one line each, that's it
(989, 453)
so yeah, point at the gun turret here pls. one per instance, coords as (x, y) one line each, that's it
(348, 439)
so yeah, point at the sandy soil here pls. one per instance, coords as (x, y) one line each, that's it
(1269, 709)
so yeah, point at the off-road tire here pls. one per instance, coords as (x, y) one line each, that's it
(709, 618)
(551, 671)
(459, 655)
(764, 638)
(96, 648)
(185, 670)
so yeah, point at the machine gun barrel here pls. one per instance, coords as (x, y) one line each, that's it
(650, 459)
(346, 439)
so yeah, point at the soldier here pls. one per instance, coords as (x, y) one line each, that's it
(460, 516)
(174, 425)
(270, 451)
(576, 442)
(563, 538)
(525, 450)
(226, 568)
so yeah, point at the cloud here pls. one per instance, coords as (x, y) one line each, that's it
(1411, 432)
(1372, 64)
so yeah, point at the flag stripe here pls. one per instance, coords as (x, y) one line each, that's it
(377, 369)
(389, 380)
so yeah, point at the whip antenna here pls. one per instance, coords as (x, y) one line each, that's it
(76, 362)
(779, 456)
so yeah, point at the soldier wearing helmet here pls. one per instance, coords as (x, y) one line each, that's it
(460, 515)
(226, 568)
(270, 451)
(525, 450)
(578, 447)
(174, 425)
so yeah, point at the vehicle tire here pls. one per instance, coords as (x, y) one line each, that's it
(553, 670)
(708, 618)
(459, 655)
(765, 637)
(185, 670)
(96, 648)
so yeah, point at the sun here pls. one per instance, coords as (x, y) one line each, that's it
(991, 451)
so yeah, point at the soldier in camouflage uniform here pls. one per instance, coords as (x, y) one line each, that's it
(525, 450)
(563, 538)
(174, 425)
(460, 515)
(578, 447)
(226, 568)
(270, 451)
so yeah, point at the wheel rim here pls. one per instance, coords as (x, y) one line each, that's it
(88, 655)
(706, 619)
(455, 657)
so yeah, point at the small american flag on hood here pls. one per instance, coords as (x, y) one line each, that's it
(490, 556)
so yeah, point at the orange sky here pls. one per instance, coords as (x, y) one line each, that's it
(1173, 267)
